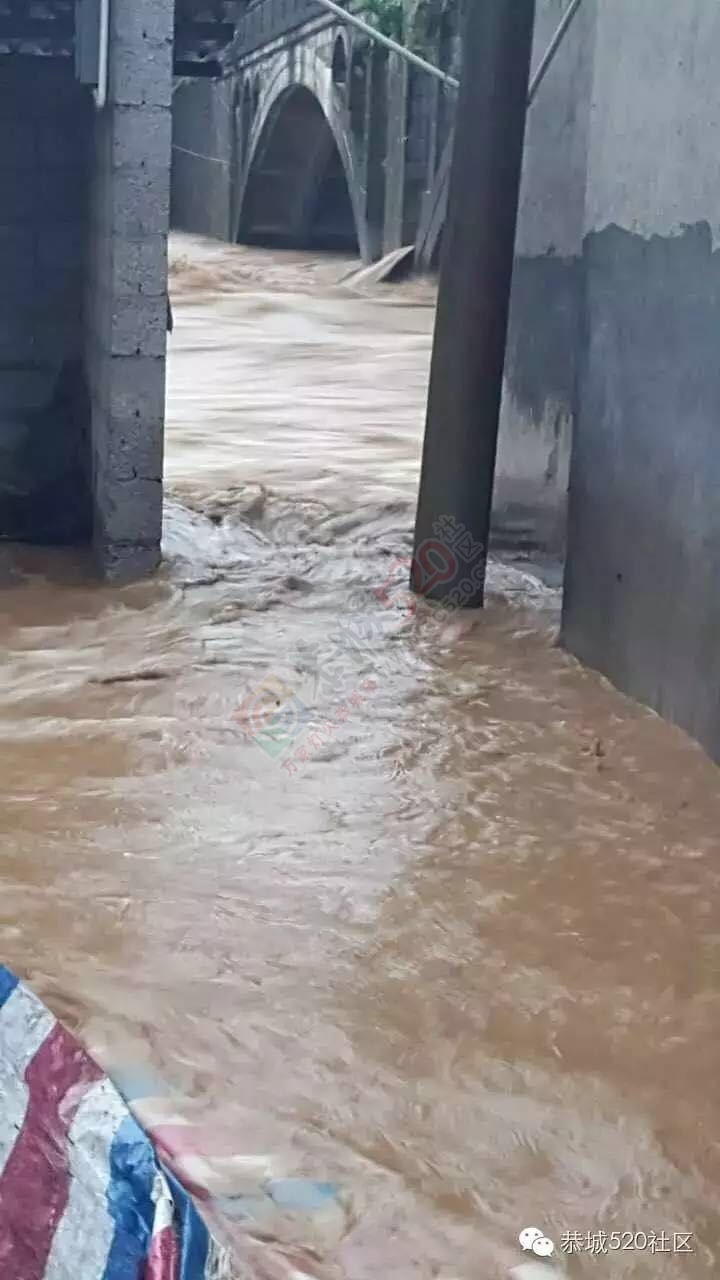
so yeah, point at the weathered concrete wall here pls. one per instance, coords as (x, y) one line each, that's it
(126, 293)
(642, 601)
(44, 494)
(538, 401)
(205, 115)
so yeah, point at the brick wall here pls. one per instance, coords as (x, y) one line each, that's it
(127, 288)
(84, 202)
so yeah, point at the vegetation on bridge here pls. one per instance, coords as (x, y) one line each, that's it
(387, 15)
(416, 23)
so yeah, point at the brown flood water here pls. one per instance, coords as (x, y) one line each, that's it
(466, 958)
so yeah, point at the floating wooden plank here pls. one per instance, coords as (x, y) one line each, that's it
(394, 266)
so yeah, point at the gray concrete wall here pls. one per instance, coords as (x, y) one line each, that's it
(43, 212)
(126, 288)
(538, 402)
(643, 571)
(205, 121)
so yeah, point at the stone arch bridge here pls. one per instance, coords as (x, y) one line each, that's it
(317, 137)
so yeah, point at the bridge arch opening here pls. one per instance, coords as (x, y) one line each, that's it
(296, 193)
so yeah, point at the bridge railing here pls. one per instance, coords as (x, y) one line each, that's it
(267, 20)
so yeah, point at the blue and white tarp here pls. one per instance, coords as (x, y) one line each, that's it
(101, 1168)
(83, 1195)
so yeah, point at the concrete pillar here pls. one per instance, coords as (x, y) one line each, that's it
(397, 80)
(126, 289)
(377, 139)
(473, 301)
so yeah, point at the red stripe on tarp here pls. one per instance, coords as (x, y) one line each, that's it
(35, 1182)
(162, 1257)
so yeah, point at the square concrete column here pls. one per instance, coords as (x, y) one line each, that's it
(642, 598)
(126, 295)
(397, 82)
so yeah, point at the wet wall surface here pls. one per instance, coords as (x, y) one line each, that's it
(642, 598)
(44, 424)
(643, 539)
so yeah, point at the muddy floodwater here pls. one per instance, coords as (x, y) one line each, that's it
(457, 946)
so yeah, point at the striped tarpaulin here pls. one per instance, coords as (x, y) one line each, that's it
(83, 1195)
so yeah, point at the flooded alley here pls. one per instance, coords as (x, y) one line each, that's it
(458, 946)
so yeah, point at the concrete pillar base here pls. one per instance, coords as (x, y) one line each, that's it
(123, 562)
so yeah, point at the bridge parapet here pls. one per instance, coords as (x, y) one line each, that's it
(267, 20)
